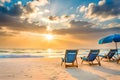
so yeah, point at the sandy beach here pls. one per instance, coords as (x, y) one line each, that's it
(50, 69)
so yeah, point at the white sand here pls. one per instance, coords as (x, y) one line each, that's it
(50, 69)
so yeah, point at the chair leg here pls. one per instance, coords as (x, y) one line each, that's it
(101, 58)
(89, 63)
(61, 63)
(92, 62)
(108, 59)
(115, 58)
(98, 61)
(73, 64)
(76, 63)
(118, 60)
(82, 61)
(99, 64)
(65, 65)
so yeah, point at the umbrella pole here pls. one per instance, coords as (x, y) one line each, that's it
(116, 47)
(117, 53)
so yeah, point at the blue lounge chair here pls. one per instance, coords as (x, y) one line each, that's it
(93, 54)
(110, 55)
(70, 58)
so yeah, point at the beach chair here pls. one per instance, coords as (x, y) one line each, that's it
(70, 59)
(110, 55)
(93, 55)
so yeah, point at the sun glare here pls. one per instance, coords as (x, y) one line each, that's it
(49, 50)
(49, 36)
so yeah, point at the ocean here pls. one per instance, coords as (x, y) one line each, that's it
(40, 53)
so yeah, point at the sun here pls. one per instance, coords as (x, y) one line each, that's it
(49, 36)
(49, 50)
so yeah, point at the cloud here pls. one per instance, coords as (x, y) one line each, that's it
(84, 30)
(36, 19)
(33, 5)
(112, 25)
(6, 32)
(42, 2)
(12, 17)
(28, 8)
(53, 18)
(15, 24)
(63, 18)
(59, 22)
(15, 10)
(19, 10)
(30, 18)
(104, 10)
(17, 30)
(102, 2)
(82, 9)
(33, 13)
(76, 27)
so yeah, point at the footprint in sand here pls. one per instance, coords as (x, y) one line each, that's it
(10, 75)
(28, 76)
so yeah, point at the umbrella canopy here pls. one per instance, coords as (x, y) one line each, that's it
(111, 38)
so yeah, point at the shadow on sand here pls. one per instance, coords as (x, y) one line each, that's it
(83, 75)
(107, 70)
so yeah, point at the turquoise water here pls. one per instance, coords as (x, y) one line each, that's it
(39, 53)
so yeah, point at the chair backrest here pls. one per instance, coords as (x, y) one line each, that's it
(70, 56)
(92, 55)
(111, 53)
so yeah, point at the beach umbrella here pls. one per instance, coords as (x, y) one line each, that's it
(111, 38)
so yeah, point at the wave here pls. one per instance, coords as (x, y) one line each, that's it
(35, 53)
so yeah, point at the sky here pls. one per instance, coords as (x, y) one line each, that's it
(72, 23)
